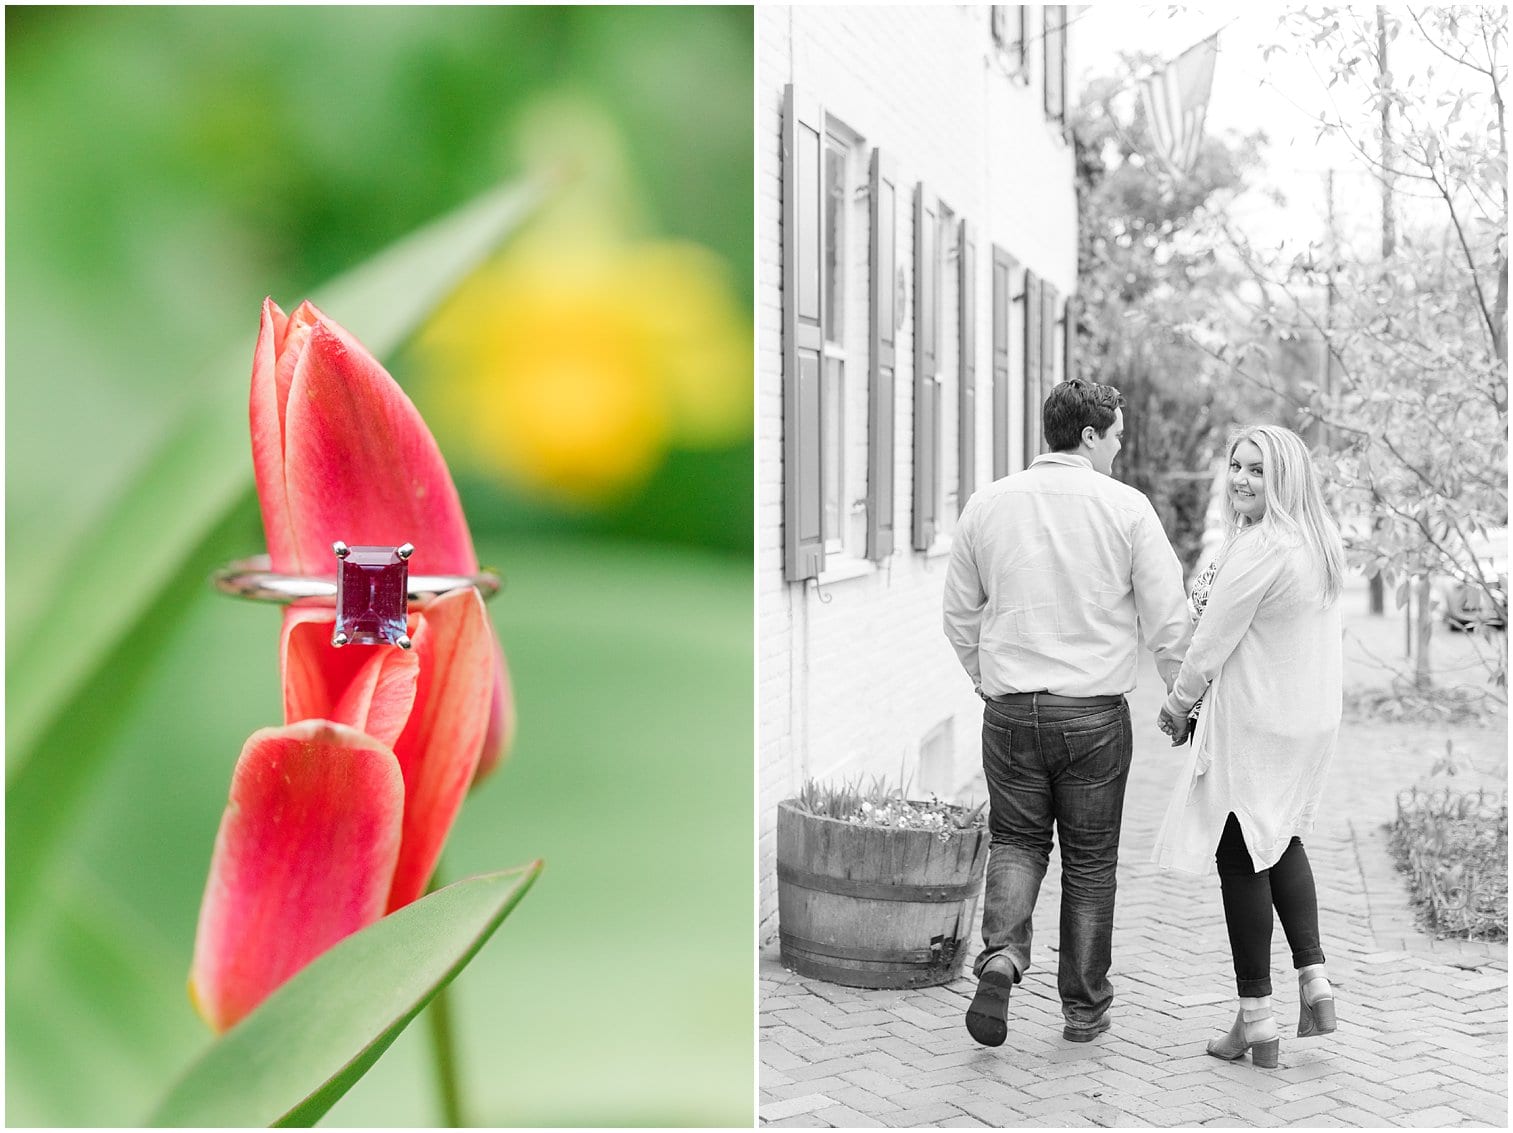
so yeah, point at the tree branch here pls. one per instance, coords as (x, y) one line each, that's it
(1445, 557)
(1464, 62)
(1500, 327)
(1465, 247)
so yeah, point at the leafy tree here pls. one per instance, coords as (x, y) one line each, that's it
(1392, 359)
(1414, 398)
(1149, 269)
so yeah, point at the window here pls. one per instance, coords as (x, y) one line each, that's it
(885, 312)
(826, 323)
(833, 414)
(948, 362)
(1050, 357)
(1027, 330)
(1069, 318)
(833, 380)
(966, 369)
(927, 398)
(1040, 362)
(1059, 350)
(937, 757)
(1005, 360)
(843, 392)
(836, 187)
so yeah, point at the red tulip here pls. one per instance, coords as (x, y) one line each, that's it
(339, 452)
(339, 816)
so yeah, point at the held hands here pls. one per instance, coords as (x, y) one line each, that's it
(1177, 729)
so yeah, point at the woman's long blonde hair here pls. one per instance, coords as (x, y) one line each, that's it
(1295, 511)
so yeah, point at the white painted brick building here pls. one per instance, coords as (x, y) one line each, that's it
(966, 105)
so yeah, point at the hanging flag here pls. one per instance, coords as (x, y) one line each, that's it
(1176, 100)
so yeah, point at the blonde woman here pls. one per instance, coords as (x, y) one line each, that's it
(1265, 664)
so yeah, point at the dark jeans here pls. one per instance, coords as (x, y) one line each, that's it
(1067, 766)
(1249, 896)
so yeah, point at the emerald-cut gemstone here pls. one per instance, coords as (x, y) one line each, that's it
(372, 597)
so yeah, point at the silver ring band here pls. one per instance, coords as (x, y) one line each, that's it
(252, 578)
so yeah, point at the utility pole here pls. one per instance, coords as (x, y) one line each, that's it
(1500, 304)
(1418, 613)
(1389, 228)
(1326, 379)
(1389, 233)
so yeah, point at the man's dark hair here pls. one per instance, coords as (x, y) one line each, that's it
(1074, 405)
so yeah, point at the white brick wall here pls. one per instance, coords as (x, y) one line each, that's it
(852, 674)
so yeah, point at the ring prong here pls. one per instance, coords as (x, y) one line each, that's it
(405, 550)
(341, 549)
(339, 639)
(404, 642)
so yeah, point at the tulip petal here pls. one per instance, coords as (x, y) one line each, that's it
(304, 857)
(440, 748)
(296, 339)
(371, 689)
(267, 417)
(382, 695)
(361, 466)
(281, 342)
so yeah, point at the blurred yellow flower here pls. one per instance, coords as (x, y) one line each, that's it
(573, 363)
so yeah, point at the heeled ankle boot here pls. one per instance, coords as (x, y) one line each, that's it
(1255, 1030)
(1315, 1002)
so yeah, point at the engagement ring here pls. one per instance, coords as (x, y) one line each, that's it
(372, 590)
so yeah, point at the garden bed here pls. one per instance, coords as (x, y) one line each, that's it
(1452, 845)
(1456, 706)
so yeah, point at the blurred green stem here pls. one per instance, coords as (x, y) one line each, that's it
(444, 1046)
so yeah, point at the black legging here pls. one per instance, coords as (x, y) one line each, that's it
(1248, 899)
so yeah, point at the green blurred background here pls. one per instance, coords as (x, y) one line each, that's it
(166, 169)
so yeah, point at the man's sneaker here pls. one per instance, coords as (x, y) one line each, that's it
(988, 1014)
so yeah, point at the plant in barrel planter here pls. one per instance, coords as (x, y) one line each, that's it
(875, 889)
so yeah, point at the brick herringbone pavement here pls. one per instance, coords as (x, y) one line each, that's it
(1422, 1038)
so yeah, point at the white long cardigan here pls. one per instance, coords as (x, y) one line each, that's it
(1268, 652)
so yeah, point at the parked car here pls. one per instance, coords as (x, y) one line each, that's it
(1465, 604)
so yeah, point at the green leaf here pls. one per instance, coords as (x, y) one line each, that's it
(70, 674)
(290, 1060)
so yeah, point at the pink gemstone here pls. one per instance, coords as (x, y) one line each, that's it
(372, 596)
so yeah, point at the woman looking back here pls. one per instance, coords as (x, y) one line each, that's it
(1263, 672)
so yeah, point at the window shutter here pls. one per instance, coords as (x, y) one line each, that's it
(883, 303)
(966, 415)
(1003, 271)
(1033, 395)
(1009, 26)
(1069, 339)
(1055, 62)
(926, 383)
(803, 335)
(1048, 303)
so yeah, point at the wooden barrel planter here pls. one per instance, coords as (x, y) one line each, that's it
(870, 906)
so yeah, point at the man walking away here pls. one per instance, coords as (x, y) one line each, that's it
(1054, 572)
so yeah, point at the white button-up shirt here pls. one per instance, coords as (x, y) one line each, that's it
(1054, 573)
